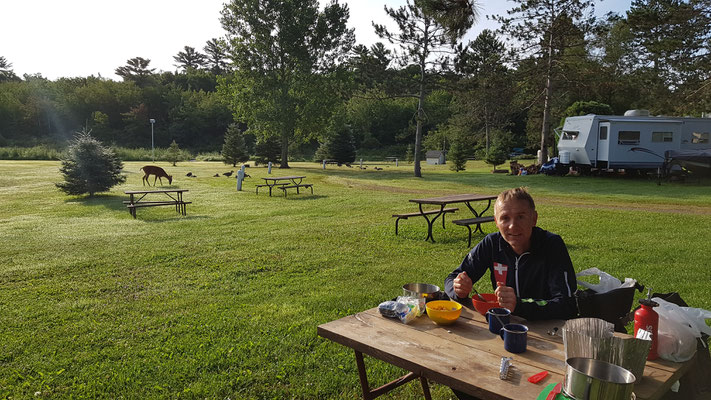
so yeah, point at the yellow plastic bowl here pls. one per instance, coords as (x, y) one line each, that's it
(443, 312)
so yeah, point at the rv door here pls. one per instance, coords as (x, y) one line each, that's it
(603, 144)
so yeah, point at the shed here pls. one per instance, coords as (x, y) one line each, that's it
(435, 157)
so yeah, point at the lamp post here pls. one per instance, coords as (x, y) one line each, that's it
(153, 150)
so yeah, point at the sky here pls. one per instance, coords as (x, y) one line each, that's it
(79, 38)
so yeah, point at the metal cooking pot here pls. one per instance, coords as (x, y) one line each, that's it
(589, 379)
(419, 290)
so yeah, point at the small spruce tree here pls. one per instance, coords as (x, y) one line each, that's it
(338, 144)
(457, 155)
(174, 154)
(409, 154)
(89, 166)
(233, 150)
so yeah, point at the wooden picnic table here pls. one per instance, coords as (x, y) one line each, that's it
(284, 182)
(466, 356)
(467, 199)
(176, 199)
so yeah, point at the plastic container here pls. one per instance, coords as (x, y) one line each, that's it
(647, 319)
(564, 157)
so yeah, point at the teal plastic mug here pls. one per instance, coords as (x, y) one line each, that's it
(515, 337)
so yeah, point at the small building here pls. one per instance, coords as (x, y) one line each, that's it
(435, 157)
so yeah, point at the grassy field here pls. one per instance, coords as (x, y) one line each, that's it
(224, 302)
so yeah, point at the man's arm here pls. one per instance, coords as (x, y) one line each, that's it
(472, 265)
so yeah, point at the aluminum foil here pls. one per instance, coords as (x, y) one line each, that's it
(594, 338)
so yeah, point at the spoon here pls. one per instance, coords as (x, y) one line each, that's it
(480, 296)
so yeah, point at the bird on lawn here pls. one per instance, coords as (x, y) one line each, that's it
(228, 174)
(216, 175)
(189, 174)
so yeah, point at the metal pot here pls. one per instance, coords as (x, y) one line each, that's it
(419, 290)
(589, 379)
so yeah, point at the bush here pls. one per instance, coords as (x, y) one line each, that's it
(41, 152)
(89, 167)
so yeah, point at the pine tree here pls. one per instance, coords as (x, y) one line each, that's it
(233, 150)
(339, 144)
(457, 155)
(89, 167)
(174, 154)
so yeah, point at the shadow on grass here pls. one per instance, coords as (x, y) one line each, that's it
(109, 201)
(305, 197)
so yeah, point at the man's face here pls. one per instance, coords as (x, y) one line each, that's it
(515, 220)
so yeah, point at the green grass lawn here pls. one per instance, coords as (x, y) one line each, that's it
(224, 302)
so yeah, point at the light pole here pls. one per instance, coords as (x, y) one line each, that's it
(153, 150)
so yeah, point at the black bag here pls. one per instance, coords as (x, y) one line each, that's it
(613, 306)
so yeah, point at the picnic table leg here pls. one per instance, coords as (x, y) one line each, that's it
(477, 215)
(371, 394)
(431, 222)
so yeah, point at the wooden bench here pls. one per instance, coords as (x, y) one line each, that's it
(297, 186)
(472, 221)
(180, 206)
(270, 187)
(417, 214)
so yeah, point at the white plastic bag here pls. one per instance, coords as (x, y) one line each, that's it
(607, 282)
(678, 329)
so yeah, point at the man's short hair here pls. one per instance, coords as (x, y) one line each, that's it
(519, 193)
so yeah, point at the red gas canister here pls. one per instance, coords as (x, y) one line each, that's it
(647, 319)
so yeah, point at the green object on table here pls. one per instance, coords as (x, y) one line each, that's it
(547, 389)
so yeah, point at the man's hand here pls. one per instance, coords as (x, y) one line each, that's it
(505, 295)
(463, 285)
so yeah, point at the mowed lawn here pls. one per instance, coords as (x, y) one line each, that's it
(224, 302)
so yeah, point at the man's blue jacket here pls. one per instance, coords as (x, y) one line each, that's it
(543, 277)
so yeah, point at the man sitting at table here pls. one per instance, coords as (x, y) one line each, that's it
(529, 268)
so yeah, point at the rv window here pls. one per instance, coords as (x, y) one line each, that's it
(628, 137)
(570, 135)
(603, 133)
(700, 137)
(662, 137)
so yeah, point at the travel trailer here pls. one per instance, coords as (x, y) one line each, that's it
(633, 141)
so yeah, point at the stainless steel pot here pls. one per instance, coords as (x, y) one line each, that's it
(589, 379)
(419, 290)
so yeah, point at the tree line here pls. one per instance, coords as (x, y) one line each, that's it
(290, 79)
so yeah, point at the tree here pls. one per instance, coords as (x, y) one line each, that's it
(542, 29)
(216, 56)
(424, 41)
(89, 167)
(285, 54)
(6, 72)
(189, 59)
(458, 154)
(174, 154)
(496, 155)
(136, 70)
(338, 144)
(486, 91)
(233, 150)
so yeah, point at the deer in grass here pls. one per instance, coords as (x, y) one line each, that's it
(159, 173)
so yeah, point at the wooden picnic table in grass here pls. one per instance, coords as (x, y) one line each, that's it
(285, 182)
(467, 199)
(175, 195)
(467, 357)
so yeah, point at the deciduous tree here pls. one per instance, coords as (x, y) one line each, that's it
(283, 52)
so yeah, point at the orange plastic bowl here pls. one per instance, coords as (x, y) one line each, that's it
(443, 312)
(484, 306)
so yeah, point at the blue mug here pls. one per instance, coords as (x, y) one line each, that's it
(515, 337)
(497, 317)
